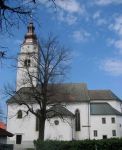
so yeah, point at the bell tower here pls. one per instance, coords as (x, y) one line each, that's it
(28, 60)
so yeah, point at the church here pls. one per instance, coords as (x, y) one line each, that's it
(87, 114)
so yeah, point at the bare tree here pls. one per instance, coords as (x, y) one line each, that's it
(13, 13)
(52, 68)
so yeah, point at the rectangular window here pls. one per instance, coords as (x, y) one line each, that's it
(18, 139)
(103, 120)
(112, 120)
(95, 133)
(113, 132)
(104, 136)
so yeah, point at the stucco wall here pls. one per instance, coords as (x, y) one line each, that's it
(23, 79)
(84, 112)
(27, 127)
(64, 131)
(103, 129)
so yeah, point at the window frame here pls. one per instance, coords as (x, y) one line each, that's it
(19, 114)
(95, 133)
(113, 132)
(19, 139)
(27, 62)
(105, 137)
(77, 120)
(113, 120)
(103, 120)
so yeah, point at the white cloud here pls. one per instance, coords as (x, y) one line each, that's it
(71, 6)
(117, 28)
(117, 44)
(107, 2)
(68, 18)
(81, 35)
(99, 20)
(96, 15)
(112, 67)
(117, 25)
(68, 11)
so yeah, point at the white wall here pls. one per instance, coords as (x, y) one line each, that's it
(119, 125)
(63, 131)
(28, 51)
(27, 127)
(116, 104)
(103, 129)
(84, 112)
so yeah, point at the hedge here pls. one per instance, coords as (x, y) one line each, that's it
(108, 144)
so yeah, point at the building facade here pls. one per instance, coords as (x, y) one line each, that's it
(87, 114)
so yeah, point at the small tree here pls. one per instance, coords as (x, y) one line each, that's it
(52, 65)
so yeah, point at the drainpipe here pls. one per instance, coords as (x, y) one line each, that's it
(72, 125)
(89, 119)
(72, 128)
(89, 116)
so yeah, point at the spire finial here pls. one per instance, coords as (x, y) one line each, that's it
(30, 35)
(31, 18)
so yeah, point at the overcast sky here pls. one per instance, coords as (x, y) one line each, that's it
(91, 29)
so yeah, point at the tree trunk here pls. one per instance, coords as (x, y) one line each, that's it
(41, 129)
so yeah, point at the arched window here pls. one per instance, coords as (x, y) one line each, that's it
(27, 63)
(19, 114)
(77, 120)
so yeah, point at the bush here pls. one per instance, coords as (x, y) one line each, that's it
(108, 144)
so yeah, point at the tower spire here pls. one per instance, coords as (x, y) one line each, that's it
(30, 36)
(27, 71)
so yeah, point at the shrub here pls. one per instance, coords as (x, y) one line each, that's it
(108, 144)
